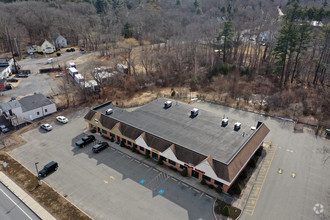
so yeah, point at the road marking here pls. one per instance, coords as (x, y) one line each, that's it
(106, 182)
(128, 157)
(161, 191)
(257, 188)
(196, 190)
(137, 161)
(280, 171)
(145, 165)
(15, 204)
(293, 175)
(184, 184)
(142, 181)
(208, 196)
(155, 170)
(111, 177)
(174, 179)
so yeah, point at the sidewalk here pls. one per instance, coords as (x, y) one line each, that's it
(24, 197)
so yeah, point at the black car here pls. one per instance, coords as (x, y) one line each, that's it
(99, 147)
(85, 140)
(9, 86)
(72, 49)
(12, 80)
(21, 75)
(68, 50)
(49, 168)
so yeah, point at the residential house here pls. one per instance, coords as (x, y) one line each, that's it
(60, 42)
(6, 66)
(43, 46)
(27, 109)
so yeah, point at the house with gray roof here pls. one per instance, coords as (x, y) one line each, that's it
(202, 144)
(27, 109)
(6, 67)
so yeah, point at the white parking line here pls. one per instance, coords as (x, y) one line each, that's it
(137, 161)
(184, 184)
(196, 190)
(146, 165)
(16, 204)
(155, 170)
(174, 179)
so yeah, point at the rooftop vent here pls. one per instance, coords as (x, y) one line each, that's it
(237, 126)
(167, 104)
(194, 112)
(224, 122)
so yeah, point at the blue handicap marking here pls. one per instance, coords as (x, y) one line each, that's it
(161, 191)
(142, 181)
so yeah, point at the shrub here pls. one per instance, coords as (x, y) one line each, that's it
(93, 130)
(111, 139)
(219, 189)
(211, 186)
(58, 54)
(203, 182)
(237, 189)
(122, 144)
(267, 109)
(225, 210)
(184, 172)
(173, 93)
(134, 149)
(147, 155)
(252, 163)
(160, 162)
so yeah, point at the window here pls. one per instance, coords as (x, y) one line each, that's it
(104, 132)
(172, 162)
(45, 110)
(163, 158)
(182, 167)
(129, 143)
(38, 113)
(123, 140)
(112, 135)
(141, 148)
(206, 178)
(217, 183)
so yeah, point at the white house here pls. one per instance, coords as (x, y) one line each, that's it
(27, 109)
(44, 46)
(6, 66)
(60, 42)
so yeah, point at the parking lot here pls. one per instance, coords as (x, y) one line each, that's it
(110, 184)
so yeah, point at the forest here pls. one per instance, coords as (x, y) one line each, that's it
(276, 50)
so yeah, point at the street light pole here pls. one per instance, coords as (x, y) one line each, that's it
(39, 181)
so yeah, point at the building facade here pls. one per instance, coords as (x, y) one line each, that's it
(185, 144)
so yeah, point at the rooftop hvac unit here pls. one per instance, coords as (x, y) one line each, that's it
(167, 104)
(237, 126)
(194, 112)
(224, 122)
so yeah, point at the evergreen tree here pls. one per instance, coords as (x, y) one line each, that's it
(226, 36)
(128, 33)
(101, 6)
(178, 2)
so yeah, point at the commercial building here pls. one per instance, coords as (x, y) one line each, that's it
(209, 147)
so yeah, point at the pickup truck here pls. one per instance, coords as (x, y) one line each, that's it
(85, 140)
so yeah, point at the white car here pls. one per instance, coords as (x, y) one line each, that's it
(109, 111)
(62, 119)
(46, 127)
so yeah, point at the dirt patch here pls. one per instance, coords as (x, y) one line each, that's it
(234, 213)
(46, 196)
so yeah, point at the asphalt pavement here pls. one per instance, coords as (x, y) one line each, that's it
(11, 208)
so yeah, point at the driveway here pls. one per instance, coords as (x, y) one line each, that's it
(110, 184)
(302, 187)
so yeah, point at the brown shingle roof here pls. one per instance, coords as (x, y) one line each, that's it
(129, 131)
(188, 156)
(241, 158)
(108, 122)
(90, 115)
(156, 142)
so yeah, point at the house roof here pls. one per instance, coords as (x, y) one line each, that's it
(10, 105)
(34, 101)
(39, 43)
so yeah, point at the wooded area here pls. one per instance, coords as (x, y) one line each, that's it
(276, 49)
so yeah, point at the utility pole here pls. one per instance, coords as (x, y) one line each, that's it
(18, 51)
(11, 48)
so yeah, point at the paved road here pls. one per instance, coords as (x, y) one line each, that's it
(110, 184)
(11, 208)
(283, 196)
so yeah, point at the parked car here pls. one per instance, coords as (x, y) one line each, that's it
(68, 50)
(3, 129)
(9, 86)
(62, 119)
(99, 147)
(21, 75)
(109, 111)
(72, 49)
(82, 49)
(48, 168)
(59, 75)
(12, 80)
(46, 127)
(85, 140)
